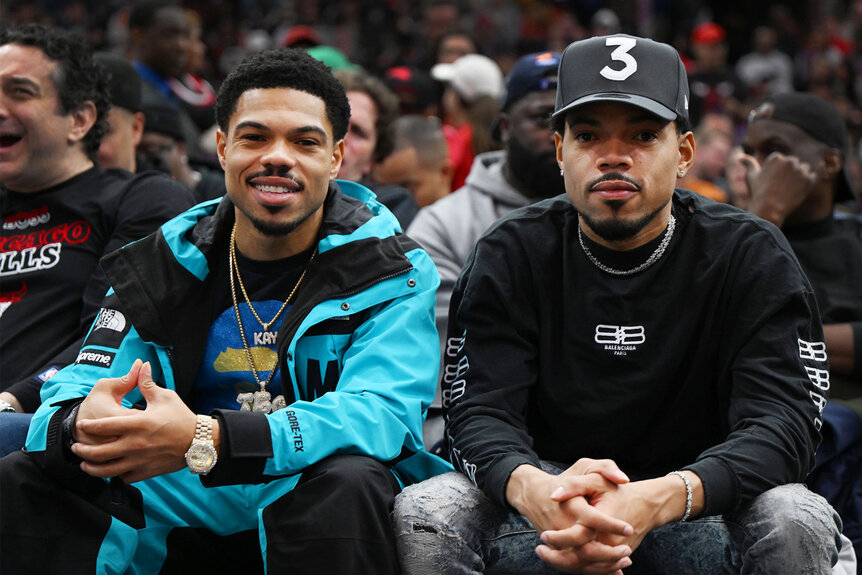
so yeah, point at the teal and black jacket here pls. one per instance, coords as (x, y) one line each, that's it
(358, 351)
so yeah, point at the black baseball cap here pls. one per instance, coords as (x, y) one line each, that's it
(817, 118)
(623, 68)
(163, 119)
(124, 83)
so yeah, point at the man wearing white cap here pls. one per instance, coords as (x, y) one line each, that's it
(639, 373)
(471, 100)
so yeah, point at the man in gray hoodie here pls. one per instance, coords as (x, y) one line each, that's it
(525, 171)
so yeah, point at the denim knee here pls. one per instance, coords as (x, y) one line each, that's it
(430, 506)
(790, 527)
(427, 520)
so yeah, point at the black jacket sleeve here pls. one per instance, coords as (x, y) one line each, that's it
(26, 391)
(489, 368)
(779, 377)
(148, 200)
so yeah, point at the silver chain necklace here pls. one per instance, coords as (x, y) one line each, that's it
(654, 257)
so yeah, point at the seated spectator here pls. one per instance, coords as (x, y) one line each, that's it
(159, 40)
(125, 119)
(798, 148)
(706, 176)
(194, 93)
(630, 375)
(418, 160)
(373, 107)
(262, 445)
(163, 146)
(414, 88)
(300, 36)
(332, 57)
(765, 70)
(737, 186)
(61, 213)
(471, 101)
(452, 45)
(524, 172)
(715, 88)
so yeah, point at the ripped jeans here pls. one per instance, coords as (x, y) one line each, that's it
(447, 525)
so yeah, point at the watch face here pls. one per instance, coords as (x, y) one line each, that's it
(201, 457)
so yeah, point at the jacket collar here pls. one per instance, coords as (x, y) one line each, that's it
(159, 278)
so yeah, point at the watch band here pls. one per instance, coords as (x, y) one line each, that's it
(6, 407)
(204, 428)
(201, 456)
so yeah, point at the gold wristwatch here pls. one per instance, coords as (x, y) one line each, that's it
(201, 456)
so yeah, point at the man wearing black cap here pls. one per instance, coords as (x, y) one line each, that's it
(797, 145)
(636, 371)
(125, 119)
(163, 146)
(796, 172)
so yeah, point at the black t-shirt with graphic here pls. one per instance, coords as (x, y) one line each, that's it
(50, 244)
(224, 371)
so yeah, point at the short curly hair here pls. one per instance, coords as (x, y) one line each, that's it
(77, 78)
(284, 68)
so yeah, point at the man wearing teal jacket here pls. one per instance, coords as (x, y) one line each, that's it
(252, 392)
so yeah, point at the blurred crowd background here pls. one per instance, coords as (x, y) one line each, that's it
(736, 53)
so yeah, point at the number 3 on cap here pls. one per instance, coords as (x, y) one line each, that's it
(621, 54)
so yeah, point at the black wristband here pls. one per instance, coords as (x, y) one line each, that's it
(68, 424)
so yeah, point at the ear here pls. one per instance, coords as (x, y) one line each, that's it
(221, 144)
(686, 152)
(505, 121)
(80, 122)
(831, 164)
(138, 122)
(337, 157)
(558, 142)
(447, 170)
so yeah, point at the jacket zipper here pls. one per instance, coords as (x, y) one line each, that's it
(373, 282)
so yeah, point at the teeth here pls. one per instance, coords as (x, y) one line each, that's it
(273, 189)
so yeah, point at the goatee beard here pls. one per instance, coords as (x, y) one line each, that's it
(615, 229)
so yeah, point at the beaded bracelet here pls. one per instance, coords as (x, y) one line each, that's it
(687, 494)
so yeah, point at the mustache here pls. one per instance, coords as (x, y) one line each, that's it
(616, 177)
(278, 173)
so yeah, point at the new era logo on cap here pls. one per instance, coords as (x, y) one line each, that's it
(622, 68)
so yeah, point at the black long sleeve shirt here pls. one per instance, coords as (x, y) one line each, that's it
(712, 359)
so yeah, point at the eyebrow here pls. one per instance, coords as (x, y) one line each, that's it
(263, 127)
(18, 81)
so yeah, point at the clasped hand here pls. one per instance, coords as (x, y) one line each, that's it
(132, 444)
(590, 518)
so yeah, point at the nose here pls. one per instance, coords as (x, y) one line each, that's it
(278, 155)
(613, 154)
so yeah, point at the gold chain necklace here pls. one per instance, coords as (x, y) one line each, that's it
(235, 268)
(259, 400)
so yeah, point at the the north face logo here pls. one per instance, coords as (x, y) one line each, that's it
(110, 319)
